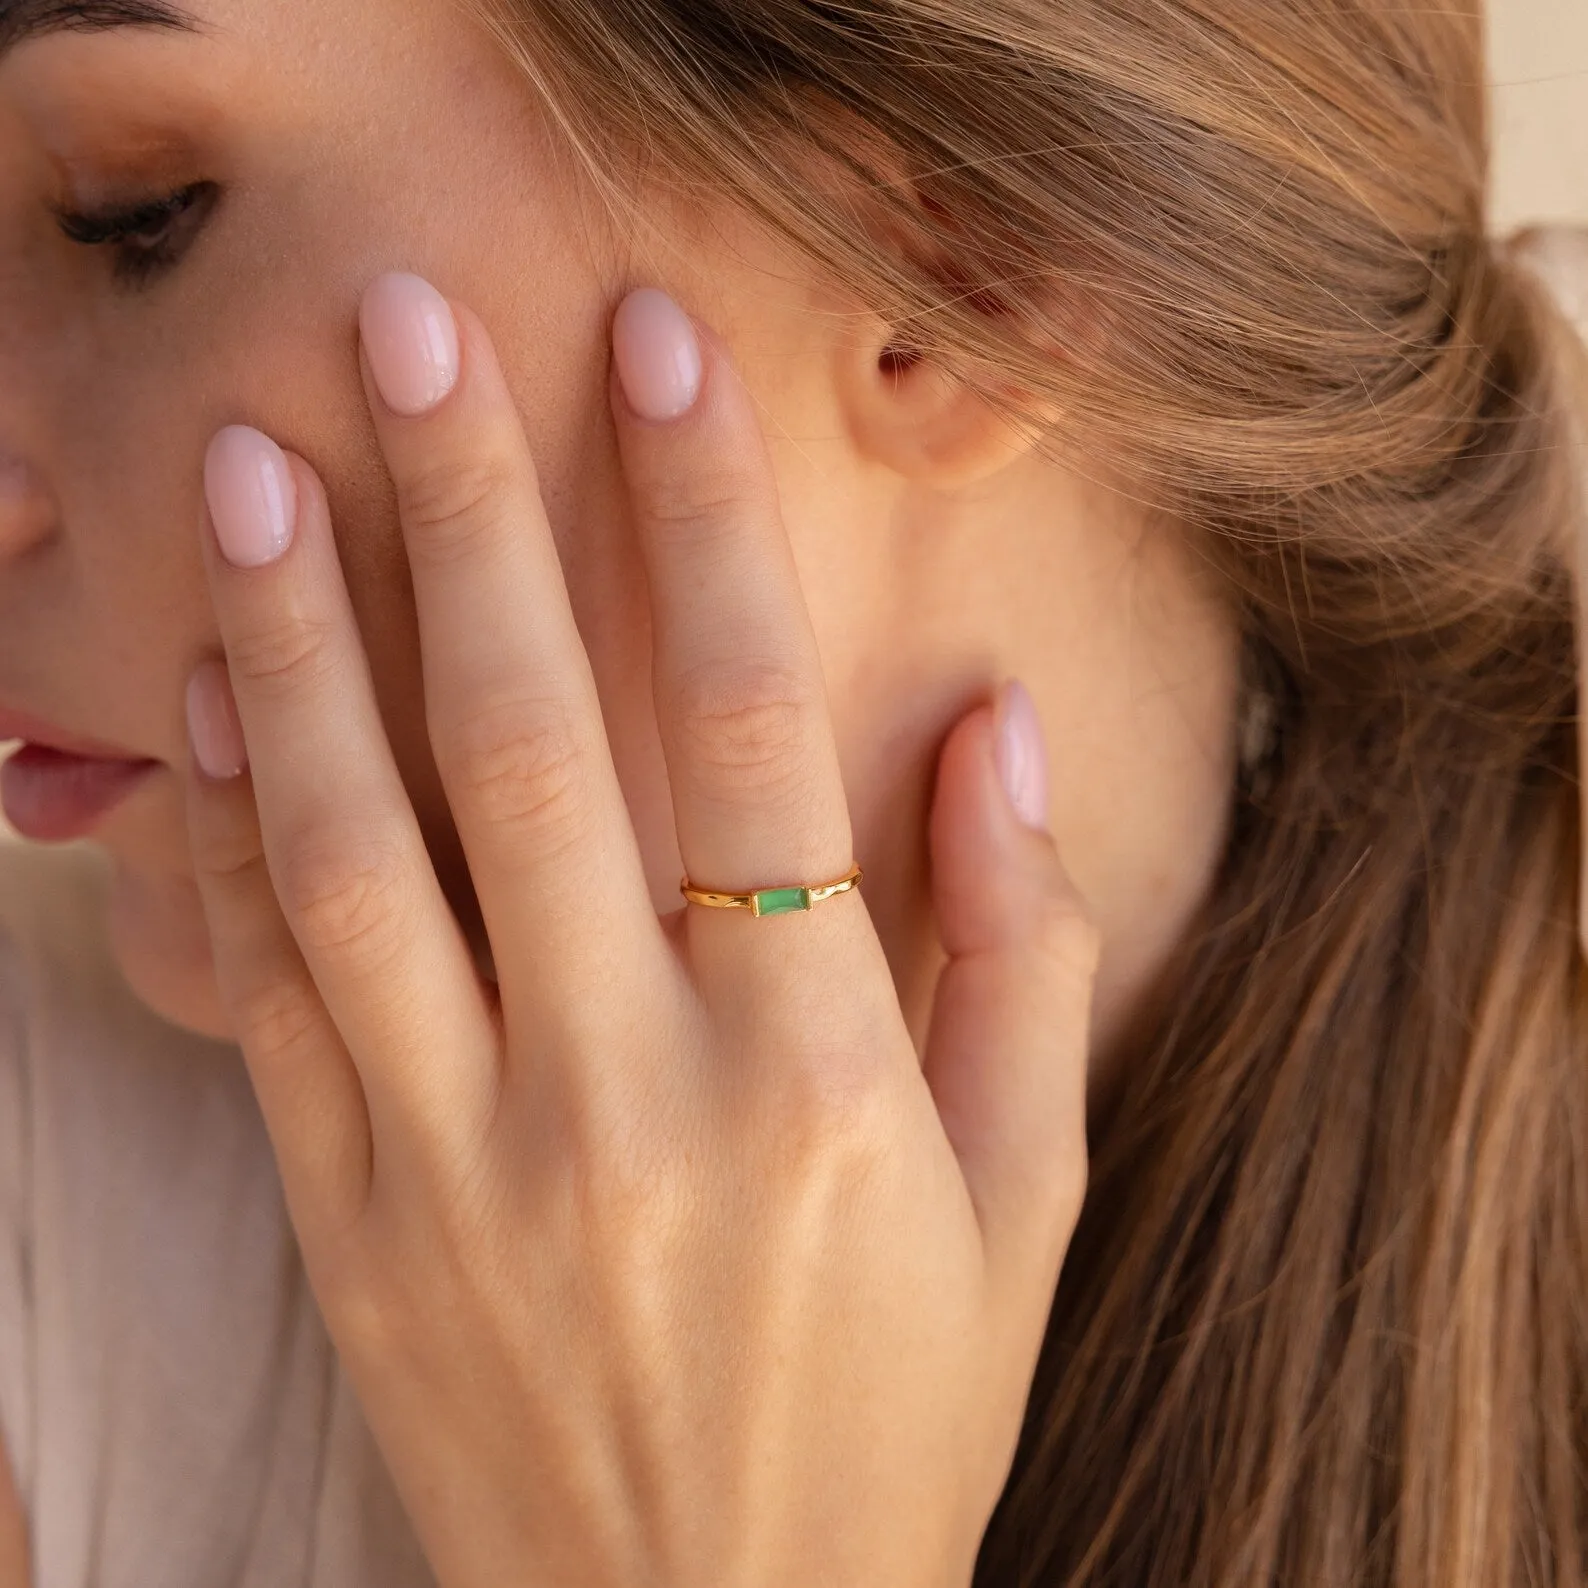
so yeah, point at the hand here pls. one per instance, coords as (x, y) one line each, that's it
(665, 1260)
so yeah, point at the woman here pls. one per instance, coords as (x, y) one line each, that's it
(714, 407)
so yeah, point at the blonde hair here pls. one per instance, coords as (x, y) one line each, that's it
(1326, 1317)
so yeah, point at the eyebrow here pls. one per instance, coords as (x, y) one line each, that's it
(32, 19)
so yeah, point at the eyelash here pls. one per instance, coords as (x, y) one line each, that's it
(147, 239)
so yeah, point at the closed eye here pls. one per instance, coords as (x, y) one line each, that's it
(145, 239)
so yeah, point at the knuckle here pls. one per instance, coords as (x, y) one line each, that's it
(834, 1108)
(289, 655)
(227, 855)
(448, 503)
(690, 510)
(342, 891)
(744, 720)
(631, 1192)
(520, 764)
(275, 1021)
(626, 1166)
(636, 1197)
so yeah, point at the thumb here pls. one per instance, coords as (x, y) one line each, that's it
(1007, 1047)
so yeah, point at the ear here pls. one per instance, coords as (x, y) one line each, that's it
(904, 409)
(909, 414)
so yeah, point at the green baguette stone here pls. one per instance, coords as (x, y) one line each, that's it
(779, 901)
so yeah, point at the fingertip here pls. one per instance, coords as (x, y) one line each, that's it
(1020, 754)
(961, 762)
(968, 836)
(309, 489)
(250, 496)
(215, 731)
(656, 356)
(995, 864)
(410, 336)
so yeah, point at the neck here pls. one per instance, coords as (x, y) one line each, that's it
(1132, 658)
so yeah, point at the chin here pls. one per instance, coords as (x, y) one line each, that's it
(161, 943)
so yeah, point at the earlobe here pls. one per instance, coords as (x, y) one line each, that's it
(910, 414)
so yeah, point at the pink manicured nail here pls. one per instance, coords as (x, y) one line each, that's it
(411, 341)
(1021, 755)
(253, 500)
(657, 355)
(213, 727)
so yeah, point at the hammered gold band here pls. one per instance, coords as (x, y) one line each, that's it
(772, 901)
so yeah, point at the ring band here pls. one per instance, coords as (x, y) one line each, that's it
(772, 901)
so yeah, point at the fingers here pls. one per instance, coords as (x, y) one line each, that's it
(308, 1088)
(741, 702)
(1006, 1053)
(342, 844)
(513, 715)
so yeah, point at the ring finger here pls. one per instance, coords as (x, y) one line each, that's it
(741, 702)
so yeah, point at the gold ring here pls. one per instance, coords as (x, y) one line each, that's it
(772, 901)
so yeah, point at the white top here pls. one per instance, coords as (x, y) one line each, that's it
(173, 1408)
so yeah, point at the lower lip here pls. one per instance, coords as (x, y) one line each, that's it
(52, 797)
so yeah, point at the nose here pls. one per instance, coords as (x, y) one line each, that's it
(27, 510)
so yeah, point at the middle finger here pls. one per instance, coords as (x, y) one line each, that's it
(510, 701)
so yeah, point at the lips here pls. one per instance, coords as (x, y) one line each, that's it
(59, 786)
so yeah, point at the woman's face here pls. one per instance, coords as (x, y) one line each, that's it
(337, 139)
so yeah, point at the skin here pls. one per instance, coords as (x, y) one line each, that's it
(674, 1240)
(935, 553)
(930, 566)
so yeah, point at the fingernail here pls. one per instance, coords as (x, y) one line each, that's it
(411, 341)
(213, 727)
(1021, 755)
(657, 355)
(252, 498)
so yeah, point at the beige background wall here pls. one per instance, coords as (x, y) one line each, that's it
(1538, 63)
